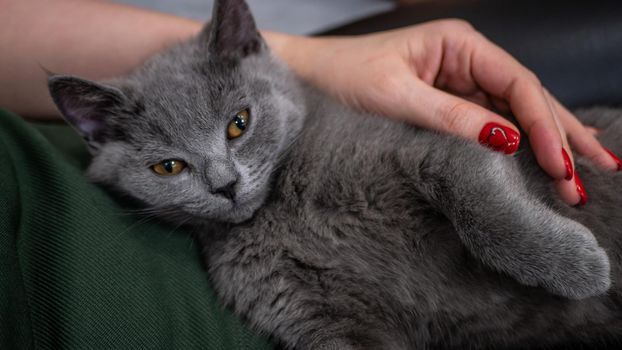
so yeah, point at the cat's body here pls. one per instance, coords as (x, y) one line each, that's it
(349, 246)
(332, 229)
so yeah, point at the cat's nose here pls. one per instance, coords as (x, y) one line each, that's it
(227, 191)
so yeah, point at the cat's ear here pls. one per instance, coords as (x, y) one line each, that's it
(85, 105)
(232, 33)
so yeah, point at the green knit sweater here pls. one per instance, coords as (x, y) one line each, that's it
(78, 270)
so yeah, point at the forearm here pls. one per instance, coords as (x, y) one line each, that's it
(92, 39)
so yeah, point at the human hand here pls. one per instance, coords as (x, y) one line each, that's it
(444, 75)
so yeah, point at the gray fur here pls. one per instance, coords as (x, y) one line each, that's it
(348, 230)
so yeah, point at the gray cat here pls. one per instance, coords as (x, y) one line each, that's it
(331, 229)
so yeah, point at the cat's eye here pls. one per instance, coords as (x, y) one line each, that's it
(238, 124)
(169, 167)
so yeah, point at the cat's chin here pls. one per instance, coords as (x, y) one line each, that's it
(241, 214)
(237, 215)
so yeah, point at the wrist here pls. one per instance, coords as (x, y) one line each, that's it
(302, 54)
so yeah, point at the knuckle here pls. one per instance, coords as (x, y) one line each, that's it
(388, 83)
(454, 117)
(590, 147)
(523, 82)
(458, 24)
(597, 158)
(452, 27)
(533, 78)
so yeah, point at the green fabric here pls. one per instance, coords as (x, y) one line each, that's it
(78, 271)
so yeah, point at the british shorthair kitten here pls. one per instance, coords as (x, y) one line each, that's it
(331, 229)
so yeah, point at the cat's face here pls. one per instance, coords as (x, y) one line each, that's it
(198, 131)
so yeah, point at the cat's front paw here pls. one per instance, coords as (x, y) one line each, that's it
(578, 267)
(583, 271)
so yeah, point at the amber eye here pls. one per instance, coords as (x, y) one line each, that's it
(238, 125)
(169, 167)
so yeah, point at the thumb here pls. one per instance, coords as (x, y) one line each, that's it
(434, 109)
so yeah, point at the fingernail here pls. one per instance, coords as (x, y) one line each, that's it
(580, 190)
(499, 138)
(615, 158)
(568, 163)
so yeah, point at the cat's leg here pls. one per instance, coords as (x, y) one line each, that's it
(483, 194)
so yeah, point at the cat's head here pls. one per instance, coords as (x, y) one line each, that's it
(198, 130)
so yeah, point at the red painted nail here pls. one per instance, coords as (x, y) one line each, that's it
(499, 138)
(568, 163)
(615, 158)
(580, 190)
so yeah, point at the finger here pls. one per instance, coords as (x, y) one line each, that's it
(572, 192)
(568, 188)
(502, 76)
(536, 116)
(583, 140)
(438, 110)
